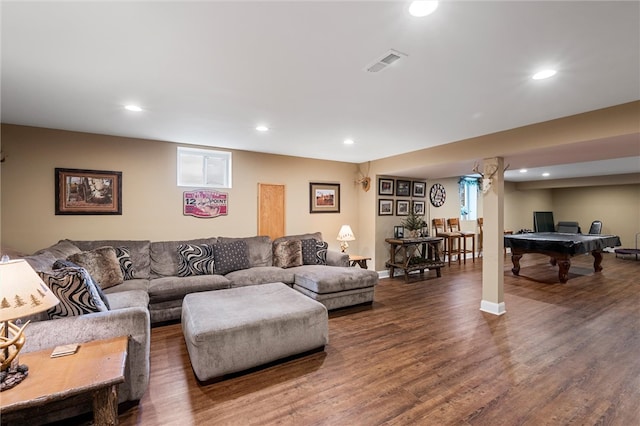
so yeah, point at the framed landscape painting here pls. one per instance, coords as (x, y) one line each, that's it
(88, 192)
(324, 197)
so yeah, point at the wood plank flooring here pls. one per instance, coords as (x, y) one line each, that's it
(424, 354)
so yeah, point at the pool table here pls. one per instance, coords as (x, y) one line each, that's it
(560, 247)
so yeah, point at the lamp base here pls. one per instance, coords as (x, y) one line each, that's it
(11, 378)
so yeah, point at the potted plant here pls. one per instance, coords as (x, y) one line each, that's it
(414, 224)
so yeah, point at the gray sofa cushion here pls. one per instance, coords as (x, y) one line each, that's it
(164, 256)
(129, 285)
(315, 235)
(139, 250)
(175, 288)
(259, 249)
(260, 275)
(129, 299)
(324, 279)
(42, 262)
(61, 250)
(231, 257)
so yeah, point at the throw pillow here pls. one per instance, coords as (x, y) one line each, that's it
(231, 256)
(102, 265)
(61, 263)
(195, 259)
(287, 254)
(314, 252)
(77, 294)
(123, 254)
(321, 252)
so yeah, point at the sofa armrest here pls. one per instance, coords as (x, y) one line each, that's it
(336, 258)
(133, 322)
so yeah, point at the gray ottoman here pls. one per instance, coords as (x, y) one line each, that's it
(336, 287)
(227, 331)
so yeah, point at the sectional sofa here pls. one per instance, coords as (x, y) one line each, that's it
(149, 280)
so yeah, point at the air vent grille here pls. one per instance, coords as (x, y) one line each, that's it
(385, 60)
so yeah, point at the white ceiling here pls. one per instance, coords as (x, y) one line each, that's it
(208, 72)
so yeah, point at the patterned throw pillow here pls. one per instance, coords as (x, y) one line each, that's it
(76, 291)
(62, 263)
(231, 257)
(321, 252)
(314, 252)
(123, 254)
(195, 259)
(287, 254)
(102, 264)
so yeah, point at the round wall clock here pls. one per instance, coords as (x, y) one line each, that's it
(437, 195)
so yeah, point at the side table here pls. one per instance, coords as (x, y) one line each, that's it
(358, 260)
(414, 254)
(96, 368)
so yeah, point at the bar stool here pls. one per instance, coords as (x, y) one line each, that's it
(480, 223)
(454, 226)
(451, 239)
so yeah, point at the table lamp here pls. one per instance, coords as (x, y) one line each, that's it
(345, 234)
(22, 293)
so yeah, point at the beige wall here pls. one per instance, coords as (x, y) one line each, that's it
(152, 203)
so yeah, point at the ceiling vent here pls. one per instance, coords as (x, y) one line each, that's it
(385, 60)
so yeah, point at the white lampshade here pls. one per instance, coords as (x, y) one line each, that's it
(22, 292)
(346, 234)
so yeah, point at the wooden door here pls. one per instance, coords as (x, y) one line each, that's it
(271, 210)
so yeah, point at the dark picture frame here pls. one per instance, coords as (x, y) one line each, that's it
(385, 186)
(385, 207)
(419, 189)
(88, 192)
(398, 232)
(403, 188)
(402, 207)
(324, 197)
(418, 208)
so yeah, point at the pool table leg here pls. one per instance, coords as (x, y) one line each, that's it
(597, 260)
(515, 259)
(563, 269)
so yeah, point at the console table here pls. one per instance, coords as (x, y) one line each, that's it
(96, 368)
(414, 254)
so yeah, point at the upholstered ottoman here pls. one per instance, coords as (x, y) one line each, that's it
(227, 331)
(336, 287)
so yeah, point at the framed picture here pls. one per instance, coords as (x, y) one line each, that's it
(419, 189)
(398, 232)
(385, 187)
(324, 197)
(418, 208)
(385, 207)
(403, 188)
(88, 192)
(402, 208)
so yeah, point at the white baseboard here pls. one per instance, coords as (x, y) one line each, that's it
(492, 307)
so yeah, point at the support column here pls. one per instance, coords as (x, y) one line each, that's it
(493, 239)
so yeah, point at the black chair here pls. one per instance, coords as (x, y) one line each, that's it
(596, 227)
(569, 227)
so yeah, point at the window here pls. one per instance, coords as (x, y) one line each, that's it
(204, 168)
(468, 198)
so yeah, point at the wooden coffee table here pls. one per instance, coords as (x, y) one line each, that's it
(96, 368)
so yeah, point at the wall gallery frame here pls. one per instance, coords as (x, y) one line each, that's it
(419, 189)
(403, 188)
(418, 208)
(402, 208)
(385, 207)
(324, 197)
(88, 192)
(385, 186)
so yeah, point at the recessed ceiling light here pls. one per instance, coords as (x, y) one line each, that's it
(134, 108)
(541, 75)
(262, 128)
(546, 174)
(348, 142)
(422, 8)
(523, 170)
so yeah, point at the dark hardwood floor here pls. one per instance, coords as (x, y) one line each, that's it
(425, 354)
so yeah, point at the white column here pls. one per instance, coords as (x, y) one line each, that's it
(493, 239)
